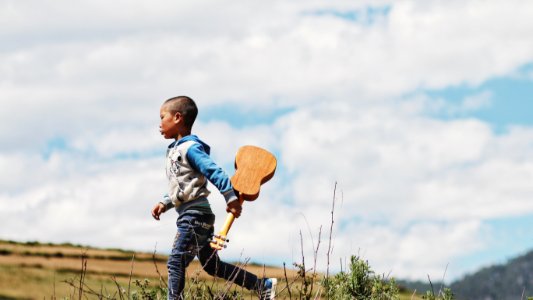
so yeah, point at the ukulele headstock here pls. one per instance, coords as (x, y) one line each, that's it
(218, 242)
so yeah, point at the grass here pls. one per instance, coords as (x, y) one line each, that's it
(43, 271)
(28, 272)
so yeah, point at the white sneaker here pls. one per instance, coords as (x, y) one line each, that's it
(269, 289)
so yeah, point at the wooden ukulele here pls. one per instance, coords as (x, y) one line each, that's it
(253, 167)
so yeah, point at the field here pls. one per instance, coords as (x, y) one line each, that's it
(42, 271)
(47, 271)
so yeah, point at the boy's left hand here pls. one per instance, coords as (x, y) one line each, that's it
(158, 209)
(235, 208)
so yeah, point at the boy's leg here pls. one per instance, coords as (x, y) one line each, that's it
(184, 249)
(214, 266)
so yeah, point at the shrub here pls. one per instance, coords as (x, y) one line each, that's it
(360, 283)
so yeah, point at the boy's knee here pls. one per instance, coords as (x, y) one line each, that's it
(210, 266)
(210, 270)
(178, 259)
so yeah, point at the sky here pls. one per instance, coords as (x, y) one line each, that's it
(413, 118)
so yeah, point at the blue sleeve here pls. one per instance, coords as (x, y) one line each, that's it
(202, 162)
(167, 202)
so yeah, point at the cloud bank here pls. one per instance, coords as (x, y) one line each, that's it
(81, 88)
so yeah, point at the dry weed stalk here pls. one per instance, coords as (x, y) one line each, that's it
(330, 246)
(161, 279)
(83, 272)
(131, 273)
(287, 281)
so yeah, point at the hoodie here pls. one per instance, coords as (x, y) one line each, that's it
(188, 168)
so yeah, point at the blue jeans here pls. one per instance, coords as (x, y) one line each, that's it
(192, 239)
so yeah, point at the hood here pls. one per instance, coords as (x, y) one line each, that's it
(193, 137)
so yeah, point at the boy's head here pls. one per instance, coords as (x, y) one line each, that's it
(177, 117)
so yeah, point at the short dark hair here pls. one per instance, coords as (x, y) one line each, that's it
(185, 106)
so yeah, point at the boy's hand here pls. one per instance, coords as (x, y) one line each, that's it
(235, 208)
(158, 209)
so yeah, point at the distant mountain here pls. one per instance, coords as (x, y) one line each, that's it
(513, 280)
(510, 281)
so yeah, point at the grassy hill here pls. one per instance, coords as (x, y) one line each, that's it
(50, 271)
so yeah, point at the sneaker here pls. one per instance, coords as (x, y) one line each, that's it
(269, 289)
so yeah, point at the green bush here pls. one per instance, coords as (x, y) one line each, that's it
(360, 283)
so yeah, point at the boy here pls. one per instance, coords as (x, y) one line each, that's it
(188, 167)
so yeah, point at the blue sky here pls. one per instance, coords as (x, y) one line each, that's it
(510, 105)
(419, 111)
(510, 102)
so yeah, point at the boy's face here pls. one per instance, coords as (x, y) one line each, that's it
(169, 126)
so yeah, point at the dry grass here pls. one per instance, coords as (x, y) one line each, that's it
(29, 271)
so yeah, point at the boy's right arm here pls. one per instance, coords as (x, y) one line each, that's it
(161, 207)
(158, 209)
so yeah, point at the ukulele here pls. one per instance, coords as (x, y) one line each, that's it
(253, 167)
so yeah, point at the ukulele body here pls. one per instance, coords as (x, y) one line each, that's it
(253, 167)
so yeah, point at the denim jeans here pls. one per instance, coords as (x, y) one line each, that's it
(192, 239)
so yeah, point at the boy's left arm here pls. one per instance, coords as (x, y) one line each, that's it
(202, 162)
(234, 207)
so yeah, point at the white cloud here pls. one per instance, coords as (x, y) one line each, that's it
(311, 56)
(421, 250)
(404, 180)
(470, 103)
(476, 102)
(397, 168)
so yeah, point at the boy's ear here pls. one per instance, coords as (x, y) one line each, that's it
(177, 117)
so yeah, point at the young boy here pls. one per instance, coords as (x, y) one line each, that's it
(188, 167)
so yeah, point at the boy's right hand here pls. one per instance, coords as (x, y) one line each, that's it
(158, 209)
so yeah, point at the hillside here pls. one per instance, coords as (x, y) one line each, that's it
(48, 271)
(512, 280)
